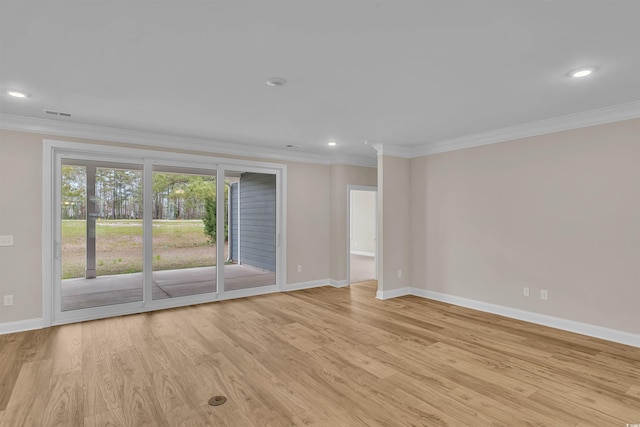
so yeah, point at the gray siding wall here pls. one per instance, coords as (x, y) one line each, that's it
(233, 215)
(257, 193)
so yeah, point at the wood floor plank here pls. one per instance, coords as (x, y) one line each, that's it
(227, 415)
(64, 406)
(114, 418)
(10, 364)
(67, 349)
(462, 413)
(101, 391)
(317, 357)
(634, 391)
(30, 395)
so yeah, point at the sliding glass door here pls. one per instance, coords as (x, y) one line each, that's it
(140, 232)
(101, 219)
(184, 237)
(251, 230)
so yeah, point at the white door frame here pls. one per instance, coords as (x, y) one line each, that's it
(51, 251)
(351, 188)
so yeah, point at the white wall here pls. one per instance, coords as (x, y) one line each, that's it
(363, 222)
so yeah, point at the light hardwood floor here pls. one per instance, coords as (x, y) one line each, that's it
(325, 356)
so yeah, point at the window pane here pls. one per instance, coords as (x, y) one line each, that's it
(184, 250)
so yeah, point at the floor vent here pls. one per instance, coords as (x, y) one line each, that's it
(217, 400)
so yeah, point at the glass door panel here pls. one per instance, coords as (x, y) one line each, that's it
(184, 241)
(250, 230)
(101, 234)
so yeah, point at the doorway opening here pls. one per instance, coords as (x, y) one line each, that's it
(362, 246)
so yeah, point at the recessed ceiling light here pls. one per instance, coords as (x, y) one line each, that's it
(582, 72)
(276, 81)
(18, 93)
(332, 143)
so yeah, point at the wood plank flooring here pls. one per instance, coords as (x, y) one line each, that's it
(319, 357)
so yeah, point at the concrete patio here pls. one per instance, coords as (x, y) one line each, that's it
(123, 288)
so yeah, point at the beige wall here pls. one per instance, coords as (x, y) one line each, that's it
(394, 232)
(21, 216)
(559, 212)
(341, 177)
(310, 210)
(308, 219)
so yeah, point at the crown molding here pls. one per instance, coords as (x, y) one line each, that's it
(614, 113)
(599, 116)
(370, 162)
(392, 150)
(157, 140)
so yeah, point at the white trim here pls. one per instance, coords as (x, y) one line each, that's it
(613, 113)
(220, 176)
(305, 285)
(339, 283)
(157, 155)
(369, 162)
(281, 251)
(21, 326)
(600, 116)
(514, 313)
(610, 114)
(249, 292)
(147, 233)
(369, 254)
(393, 293)
(159, 140)
(394, 150)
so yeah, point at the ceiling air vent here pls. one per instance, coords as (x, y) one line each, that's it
(57, 113)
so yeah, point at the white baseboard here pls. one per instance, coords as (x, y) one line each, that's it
(305, 285)
(339, 283)
(371, 254)
(21, 326)
(528, 316)
(315, 284)
(393, 293)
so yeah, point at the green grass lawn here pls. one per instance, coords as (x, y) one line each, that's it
(176, 244)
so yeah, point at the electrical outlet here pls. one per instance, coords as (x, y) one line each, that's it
(6, 240)
(544, 294)
(8, 300)
(399, 273)
(525, 292)
(299, 268)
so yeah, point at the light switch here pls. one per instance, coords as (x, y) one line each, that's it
(6, 240)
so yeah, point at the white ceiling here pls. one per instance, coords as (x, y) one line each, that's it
(405, 73)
